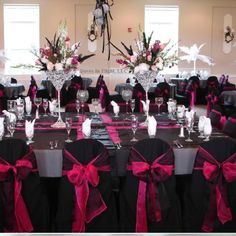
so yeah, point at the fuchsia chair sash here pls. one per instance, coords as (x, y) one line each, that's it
(85, 178)
(20, 170)
(218, 175)
(233, 120)
(149, 176)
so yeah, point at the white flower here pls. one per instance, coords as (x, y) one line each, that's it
(58, 66)
(44, 60)
(141, 68)
(68, 61)
(133, 58)
(97, 13)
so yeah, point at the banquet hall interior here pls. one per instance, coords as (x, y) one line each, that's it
(118, 116)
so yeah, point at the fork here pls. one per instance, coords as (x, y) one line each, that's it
(177, 144)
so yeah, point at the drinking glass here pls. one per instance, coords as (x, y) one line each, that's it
(132, 105)
(188, 123)
(95, 103)
(29, 135)
(11, 126)
(159, 101)
(68, 122)
(77, 105)
(37, 102)
(83, 97)
(207, 132)
(45, 106)
(28, 108)
(201, 123)
(134, 126)
(11, 105)
(127, 95)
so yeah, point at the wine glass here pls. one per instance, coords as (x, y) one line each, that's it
(11, 126)
(188, 123)
(68, 122)
(77, 105)
(127, 95)
(132, 105)
(95, 102)
(45, 106)
(159, 101)
(83, 97)
(134, 127)
(37, 102)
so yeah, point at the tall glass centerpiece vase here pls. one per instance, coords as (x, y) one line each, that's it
(58, 78)
(146, 78)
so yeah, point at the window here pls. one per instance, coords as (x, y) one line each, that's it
(21, 34)
(163, 21)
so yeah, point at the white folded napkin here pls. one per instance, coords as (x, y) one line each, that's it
(152, 126)
(170, 105)
(201, 123)
(207, 127)
(145, 105)
(28, 105)
(86, 127)
(116, 108)
(52, 105)
(29, 128)
(10, 116)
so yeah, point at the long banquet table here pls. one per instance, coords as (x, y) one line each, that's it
(110, 131)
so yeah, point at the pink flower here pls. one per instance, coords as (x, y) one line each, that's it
(74, 61)
(121, 62)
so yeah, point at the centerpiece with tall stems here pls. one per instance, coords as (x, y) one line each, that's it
(150, 57)
(60, 61)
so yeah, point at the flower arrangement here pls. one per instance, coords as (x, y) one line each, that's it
(58, 55)
(148, 56)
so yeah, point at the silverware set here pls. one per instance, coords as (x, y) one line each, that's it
(53, 144)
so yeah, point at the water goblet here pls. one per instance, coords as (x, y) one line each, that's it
(134, 127)
(68, 122)
(127, 95)
(159, 101)
(82, 96)
(188, 123)
(37, 102)
(45, 106)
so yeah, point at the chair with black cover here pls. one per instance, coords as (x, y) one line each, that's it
(210, 201)
(86, 201)
(75, 85)
(216, 115)
(138, 94)
(182, 96)
(33, 88)
(23, 203)
(212, 83)
(13, 80)
(230, 126)
(148, 199)
(3, 100)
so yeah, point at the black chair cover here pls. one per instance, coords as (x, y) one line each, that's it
(230, 126)
(85, 151)
(156, 156)
(11, 153)
(211, 196)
